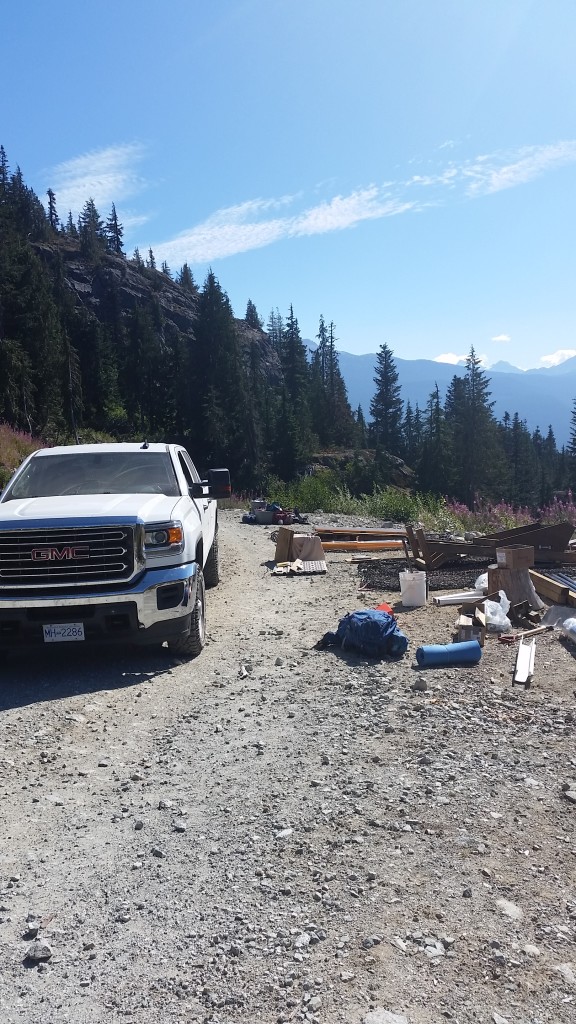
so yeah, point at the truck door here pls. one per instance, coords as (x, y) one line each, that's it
(205, 506)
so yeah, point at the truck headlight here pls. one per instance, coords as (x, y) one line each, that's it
(163, 538)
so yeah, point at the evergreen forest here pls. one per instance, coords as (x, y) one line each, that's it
(96, 344)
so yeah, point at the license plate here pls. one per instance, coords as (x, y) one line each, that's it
(60, 632)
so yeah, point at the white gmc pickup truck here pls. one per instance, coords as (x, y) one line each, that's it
(108, 543)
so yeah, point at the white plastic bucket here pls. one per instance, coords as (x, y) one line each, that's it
(412, 589)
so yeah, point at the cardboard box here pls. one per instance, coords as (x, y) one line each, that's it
(471, 624)
(517, 556)
(304, 546)
(284, 545)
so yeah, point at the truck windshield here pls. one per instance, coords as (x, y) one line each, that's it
(96, 473)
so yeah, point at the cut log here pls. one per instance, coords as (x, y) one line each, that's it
(516, 584)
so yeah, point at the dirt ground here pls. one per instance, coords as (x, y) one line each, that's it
(276, 833)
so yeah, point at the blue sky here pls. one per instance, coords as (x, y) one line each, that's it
(407, 170)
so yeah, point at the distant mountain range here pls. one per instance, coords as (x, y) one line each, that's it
(542, 397)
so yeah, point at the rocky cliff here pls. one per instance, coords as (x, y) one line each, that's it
(118, 281)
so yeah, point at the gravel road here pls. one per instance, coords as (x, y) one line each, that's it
(275, 833)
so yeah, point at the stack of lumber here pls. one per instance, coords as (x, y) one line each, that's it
(555, 588)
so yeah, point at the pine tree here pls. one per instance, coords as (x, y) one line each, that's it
(522, 475)
(386, 405)
(217, 372)
(166, 270)
(550, 475)
(138, 259)
(186, 281)
(409, 450)
(275, 329)
(4, 173)
(479, 470)
(293, 429)
(339, 412)
(295, 365)
(251, 316)
(52, 214)
(319, 421)
(151, 262)
(114, 233)
(571, 449)
(91, 231)
(71, 230)
(434, 465)
(28, 215)
(361, 429)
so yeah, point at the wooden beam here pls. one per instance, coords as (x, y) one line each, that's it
(362, 545)
(549, 589)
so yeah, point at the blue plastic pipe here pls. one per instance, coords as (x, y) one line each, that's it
(467, 653)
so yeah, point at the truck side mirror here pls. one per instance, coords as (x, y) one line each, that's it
(219, 483)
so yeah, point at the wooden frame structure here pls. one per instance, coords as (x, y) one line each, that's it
(549, 543)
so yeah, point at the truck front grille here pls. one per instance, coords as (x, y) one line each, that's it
(48, 557)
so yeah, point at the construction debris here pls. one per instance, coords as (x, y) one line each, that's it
(550, 545)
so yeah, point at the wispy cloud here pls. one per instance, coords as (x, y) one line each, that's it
(502, 338)
(241, 228)
(106, 175)
(260, 222)
(493, 173)
(560, 356)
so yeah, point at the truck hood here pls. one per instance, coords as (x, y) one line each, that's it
(155, 508)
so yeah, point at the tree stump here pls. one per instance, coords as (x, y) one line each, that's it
(516, 584)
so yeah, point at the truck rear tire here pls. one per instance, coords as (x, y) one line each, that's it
(212, 567)
(189, 646)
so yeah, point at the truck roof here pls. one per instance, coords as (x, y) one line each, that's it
(123, 446)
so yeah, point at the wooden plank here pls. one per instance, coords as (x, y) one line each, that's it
(433, 560)
(413, 541)
(360, 533)
(362, 545)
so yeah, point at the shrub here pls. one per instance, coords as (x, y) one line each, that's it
(15, 445)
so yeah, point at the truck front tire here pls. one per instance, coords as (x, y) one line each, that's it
(189, 646)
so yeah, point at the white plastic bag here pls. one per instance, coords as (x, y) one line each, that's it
(568, 628)
(497, 620)
(482, 582)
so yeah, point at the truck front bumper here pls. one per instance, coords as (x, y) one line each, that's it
(157, 607)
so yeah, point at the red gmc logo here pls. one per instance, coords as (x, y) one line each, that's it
(60, 554)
